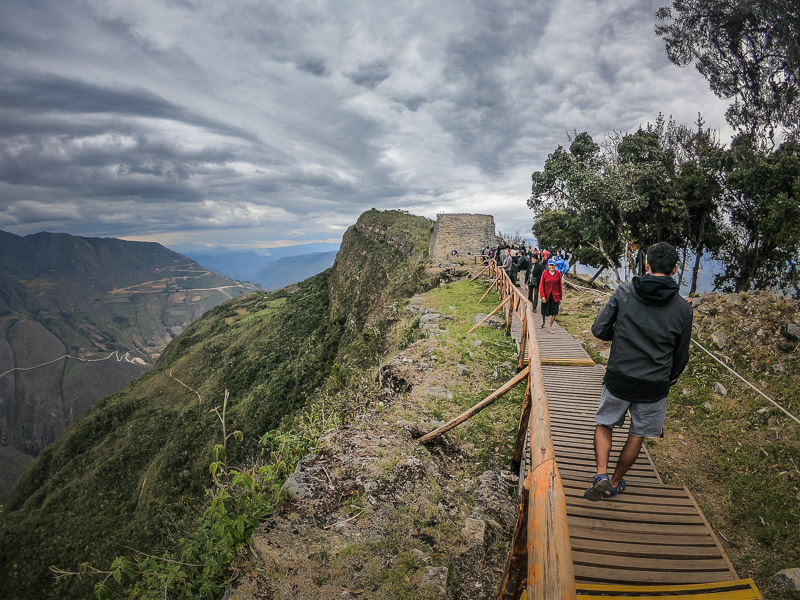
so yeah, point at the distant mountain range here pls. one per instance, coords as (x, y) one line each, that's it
(253, 265)
(79, 319)
(292, 269)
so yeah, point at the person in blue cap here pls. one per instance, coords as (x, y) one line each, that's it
(561, 265)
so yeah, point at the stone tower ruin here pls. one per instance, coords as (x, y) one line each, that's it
(468, 234)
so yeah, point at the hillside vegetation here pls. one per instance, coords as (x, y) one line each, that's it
(110, 305)
(345, 372)
(380, 516)
(132, 473)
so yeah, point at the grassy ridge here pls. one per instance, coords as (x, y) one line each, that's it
(133, 471)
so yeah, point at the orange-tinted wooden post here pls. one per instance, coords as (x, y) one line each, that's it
(516, 564)
(550, 570)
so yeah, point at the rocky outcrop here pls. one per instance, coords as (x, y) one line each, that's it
(788, 579)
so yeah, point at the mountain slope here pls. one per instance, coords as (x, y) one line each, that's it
(137, 462)
(82, 317)
(244, 264)
(292, 269)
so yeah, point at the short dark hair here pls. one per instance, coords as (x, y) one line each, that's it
(662, 258)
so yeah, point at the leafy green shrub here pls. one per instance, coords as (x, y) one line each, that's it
(203, 562)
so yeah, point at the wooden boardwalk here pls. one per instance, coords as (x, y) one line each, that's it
(651, 535)
(557, 348)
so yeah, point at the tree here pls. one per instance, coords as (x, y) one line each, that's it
(762, 202)
(748, 50)
(572, 186)
(558, 229)
(653, 211)
(698, 188)
(700, 192)
(622, 195)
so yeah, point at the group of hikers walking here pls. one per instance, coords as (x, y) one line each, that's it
(543, 275)
(649, 326)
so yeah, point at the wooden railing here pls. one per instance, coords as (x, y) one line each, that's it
(540, 559)
(539, 564)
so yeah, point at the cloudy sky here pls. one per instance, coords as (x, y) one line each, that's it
(262, 123)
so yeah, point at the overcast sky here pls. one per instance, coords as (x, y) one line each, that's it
(262, 123)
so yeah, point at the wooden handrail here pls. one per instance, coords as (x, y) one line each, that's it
(486, 318)
(499, 393)
(543, 507)
(550, 569)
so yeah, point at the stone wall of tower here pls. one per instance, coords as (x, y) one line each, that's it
(463, 232)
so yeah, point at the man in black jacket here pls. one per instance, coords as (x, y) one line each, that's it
(649, 325)
(525, 265)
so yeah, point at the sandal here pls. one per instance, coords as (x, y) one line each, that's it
(601, 485)
(613, 491)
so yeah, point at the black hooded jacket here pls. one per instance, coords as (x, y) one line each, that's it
(649, 325)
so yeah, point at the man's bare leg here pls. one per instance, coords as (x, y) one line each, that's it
(627, 458)
(602, 448)
(601, 485)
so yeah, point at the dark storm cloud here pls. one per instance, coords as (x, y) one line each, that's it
(370, 75)
(480, 61)
(45, 94)
(413, 103)
(313, 66)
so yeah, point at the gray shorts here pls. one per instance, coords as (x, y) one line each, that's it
(647, 418)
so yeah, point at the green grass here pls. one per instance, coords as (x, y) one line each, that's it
(754, 458)
(492, 432)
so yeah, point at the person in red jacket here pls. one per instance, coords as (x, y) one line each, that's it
(551, 289)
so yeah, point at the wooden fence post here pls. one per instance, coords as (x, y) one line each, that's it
(523, 344)
(519, 445)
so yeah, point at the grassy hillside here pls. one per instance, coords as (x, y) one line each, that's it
(110, 305)
(389, 514)
(134, 469)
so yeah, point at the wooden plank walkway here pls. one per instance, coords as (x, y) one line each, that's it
(557, 348)
(652, 535)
